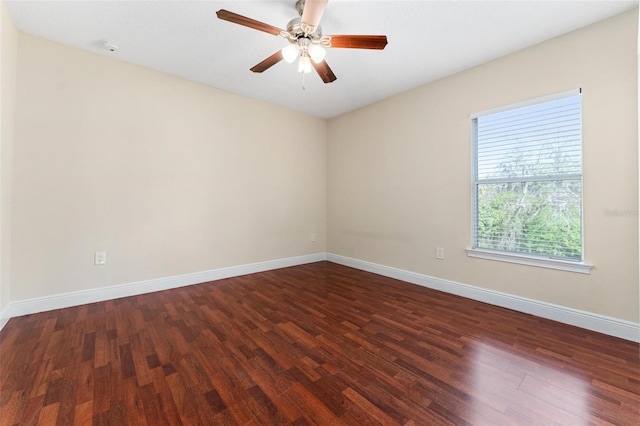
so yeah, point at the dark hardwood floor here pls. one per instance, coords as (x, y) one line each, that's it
(313, 344)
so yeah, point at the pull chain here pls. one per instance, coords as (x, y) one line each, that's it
(303, 86)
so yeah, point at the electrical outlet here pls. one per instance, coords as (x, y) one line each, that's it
(100, 258)
(440, 253)
(312, 238)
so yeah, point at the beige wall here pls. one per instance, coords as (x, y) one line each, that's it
(399, 171)
(8, 45)
(168, 176)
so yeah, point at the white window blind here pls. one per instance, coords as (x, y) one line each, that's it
(528, 179)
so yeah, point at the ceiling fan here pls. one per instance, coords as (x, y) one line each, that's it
(306, 42)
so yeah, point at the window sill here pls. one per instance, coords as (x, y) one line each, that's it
(563, 265)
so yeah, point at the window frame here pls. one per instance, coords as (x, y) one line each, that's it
(578, 265)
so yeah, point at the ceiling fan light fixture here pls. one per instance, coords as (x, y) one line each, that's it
(304, 65)
(317, 53)
(290, 53)
(306, 42)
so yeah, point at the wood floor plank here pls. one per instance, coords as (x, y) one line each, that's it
(313, 344)
(374, 411)
(83, 413)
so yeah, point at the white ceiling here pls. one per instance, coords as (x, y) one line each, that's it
(427, 40)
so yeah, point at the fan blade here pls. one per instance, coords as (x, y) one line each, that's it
(359, 41)
(268, 63)
(312, 12)
(324, 71)
(247, 22)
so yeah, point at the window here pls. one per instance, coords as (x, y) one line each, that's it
(527, 179)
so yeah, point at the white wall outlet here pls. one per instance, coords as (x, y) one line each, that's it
(100, 258)
(440, 253)
(312, 238)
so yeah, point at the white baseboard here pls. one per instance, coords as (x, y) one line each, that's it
(66, 300)
(603, 324)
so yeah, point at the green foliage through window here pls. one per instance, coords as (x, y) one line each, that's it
(528, 181)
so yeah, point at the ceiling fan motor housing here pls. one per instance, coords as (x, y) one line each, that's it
(297, 29)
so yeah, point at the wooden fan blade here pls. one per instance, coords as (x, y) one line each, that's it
(268, 63)
(313, 10)
(359, 41)
(247, 22)
(324, 71)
